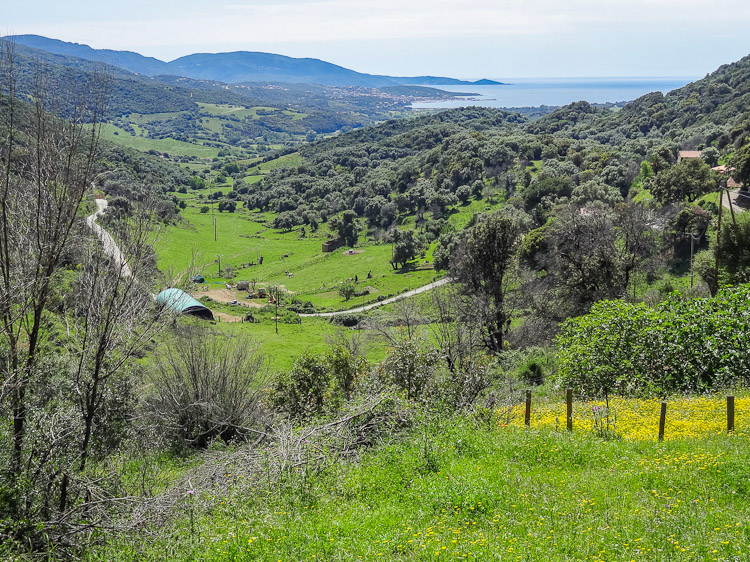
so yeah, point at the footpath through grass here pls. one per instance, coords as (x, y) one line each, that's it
(461, 489)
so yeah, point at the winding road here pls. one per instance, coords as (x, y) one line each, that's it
(110, 246)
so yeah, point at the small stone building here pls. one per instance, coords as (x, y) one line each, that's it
(332, 245)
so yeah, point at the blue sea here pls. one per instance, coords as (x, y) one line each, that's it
(533, 92)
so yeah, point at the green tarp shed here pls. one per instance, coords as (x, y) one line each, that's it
(180, 301)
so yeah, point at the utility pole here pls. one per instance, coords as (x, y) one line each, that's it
(277, 310)
(731, 208)
(210, 196)
(718, 234)
(693, 239)
(218, 256)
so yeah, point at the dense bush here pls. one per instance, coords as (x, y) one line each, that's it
(410, 367)
(679, 345)
(317, 383)
(205, 385)
(348, 320)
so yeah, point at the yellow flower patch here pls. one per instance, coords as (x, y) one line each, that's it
(638, 419)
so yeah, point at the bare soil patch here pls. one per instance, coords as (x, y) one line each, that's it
(228, 295)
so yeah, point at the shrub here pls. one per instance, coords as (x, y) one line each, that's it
(206, 385)
(348, 320)
(410, 367)
(300, 307)
(317, 383)
(676, 346)
(346, 291)
(533, 373)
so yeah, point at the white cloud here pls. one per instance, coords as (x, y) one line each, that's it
(257, 23)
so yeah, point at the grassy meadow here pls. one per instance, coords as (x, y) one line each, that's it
(172, 147)
(313, 335)
(211, 122)
(242, 237)
(286, 161)
(226, 110)
(465, 488)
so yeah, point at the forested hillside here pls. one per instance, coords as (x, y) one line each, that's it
(245, 119)
(236, 67)
(384, 307)
(585, 182)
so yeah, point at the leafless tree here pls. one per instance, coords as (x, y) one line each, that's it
(454, 325)
(47, 165)
(71, 313)
(408, 316)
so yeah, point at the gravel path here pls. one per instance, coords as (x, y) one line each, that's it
(733, 194)
(365, 308)
(110, 246)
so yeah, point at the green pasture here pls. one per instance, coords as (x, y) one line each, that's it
(229, 110)
(295, 115)
(534, 167)
(242, 237)
(212, 125)
(292, 160)
(312, 335)
(146, 118)
(241, 112)
(462, 214)
(170, 146)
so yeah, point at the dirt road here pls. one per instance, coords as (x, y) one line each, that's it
(734, 194)
(365, 308)
(110, 246)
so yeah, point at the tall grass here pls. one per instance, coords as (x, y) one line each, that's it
(455, 489)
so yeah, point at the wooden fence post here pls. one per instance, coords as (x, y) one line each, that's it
(569, 407)
(527, 416)
(662, 420)
(730, 414)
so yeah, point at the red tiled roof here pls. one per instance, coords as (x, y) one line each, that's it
(688, 154)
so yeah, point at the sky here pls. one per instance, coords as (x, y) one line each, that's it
(459, 38)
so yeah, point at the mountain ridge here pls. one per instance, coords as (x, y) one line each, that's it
(236, 67)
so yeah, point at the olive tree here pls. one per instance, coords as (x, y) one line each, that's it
(689, 179)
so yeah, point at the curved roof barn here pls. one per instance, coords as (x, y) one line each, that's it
(179, 301)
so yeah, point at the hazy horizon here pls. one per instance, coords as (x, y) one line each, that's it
(460, 77)
(479, 38)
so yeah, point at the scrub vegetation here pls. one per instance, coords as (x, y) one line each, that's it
(584, 253)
